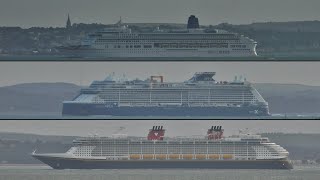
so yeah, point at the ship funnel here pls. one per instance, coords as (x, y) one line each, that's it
(193, 22)
(215, 133)
(153, 79)
(156, 133)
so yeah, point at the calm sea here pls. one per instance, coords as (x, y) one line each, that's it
(276, 57)
(45, 173)
(40, 116)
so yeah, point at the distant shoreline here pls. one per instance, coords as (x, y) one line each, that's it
(3, 164)
(43, 116)
(280, 57)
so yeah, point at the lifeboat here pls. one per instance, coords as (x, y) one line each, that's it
(187, 156)
(213, 156)
(135, 156)
(161, 156)
(200, 156)
(174, 156)
(147, 156)
(227, 156)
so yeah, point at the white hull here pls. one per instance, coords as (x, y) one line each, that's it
(120, 41)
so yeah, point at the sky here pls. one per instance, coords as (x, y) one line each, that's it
(83, 73)
(140, 128)
(47, 13)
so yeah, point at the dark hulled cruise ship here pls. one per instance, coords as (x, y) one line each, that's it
(201, 95)
(213, 151)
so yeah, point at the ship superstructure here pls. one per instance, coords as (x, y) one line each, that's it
(199, 96)
(120, 41)
(243, 151)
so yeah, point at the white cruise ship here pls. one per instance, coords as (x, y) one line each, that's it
(201, 95)
(193, 42)
(214, 151)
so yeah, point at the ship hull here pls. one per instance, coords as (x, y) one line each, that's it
(143, 53)
(69, 163)
(85, 109)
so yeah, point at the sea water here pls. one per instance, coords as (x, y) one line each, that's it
(308, 56)
(46, 173)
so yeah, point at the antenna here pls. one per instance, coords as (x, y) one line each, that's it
(240, 79)
(34, 151)
(121, 128)
(119, 22)
(124, 77)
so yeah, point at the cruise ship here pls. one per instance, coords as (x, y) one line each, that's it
(201, 95)
(120, 42)
(213, 151)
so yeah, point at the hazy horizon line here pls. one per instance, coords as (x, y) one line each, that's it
(77, 84)
(101, 23)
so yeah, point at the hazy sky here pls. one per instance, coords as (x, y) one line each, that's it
(53, 12)
(83, 73)
(140, 128)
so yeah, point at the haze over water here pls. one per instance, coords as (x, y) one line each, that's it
(140, 128)
(83, 73)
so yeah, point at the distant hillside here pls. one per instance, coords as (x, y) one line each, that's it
(17, 148)
(292, 26)
(301, 38)
(291, 98)
(48, 97)
(36, 97)
(300, 146)
(11, 136)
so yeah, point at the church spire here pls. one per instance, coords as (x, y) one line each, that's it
(68, 26)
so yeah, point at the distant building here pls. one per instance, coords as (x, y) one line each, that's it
(68, 26)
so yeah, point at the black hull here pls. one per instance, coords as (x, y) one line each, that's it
(65, 163)
(78, 109)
